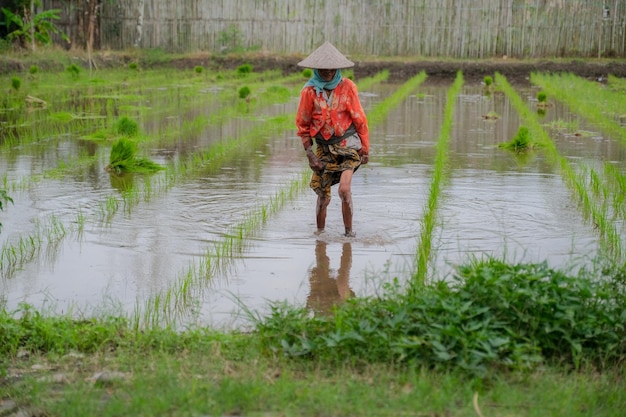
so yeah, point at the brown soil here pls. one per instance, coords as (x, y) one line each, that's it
(517, 71)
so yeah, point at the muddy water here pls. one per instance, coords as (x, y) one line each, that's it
(493, 204)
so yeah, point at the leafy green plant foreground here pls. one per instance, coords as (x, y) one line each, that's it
(491, 316)
(499, 339)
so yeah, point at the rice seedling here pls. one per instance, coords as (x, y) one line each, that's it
(123, 159)
(542, 98)
(561, 124)
(126, 127)
(16, 83)
(244, 70)
(80, 222)
(74, 71)
(111, 206)
(220, 255)
(218, 155)
(491, 115)
(4, 199)
(377, 114)
(14, 255)
(597, 212)
(616, 181)
(595, 103)
(424, 247)
(377, 78)
(216, 259)
(54, 229)
(521, 142)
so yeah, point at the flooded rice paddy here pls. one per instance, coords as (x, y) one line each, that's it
(229, 225)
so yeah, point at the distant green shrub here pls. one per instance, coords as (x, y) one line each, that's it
(231, 39)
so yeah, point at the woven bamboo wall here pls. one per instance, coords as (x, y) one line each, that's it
(427, 28)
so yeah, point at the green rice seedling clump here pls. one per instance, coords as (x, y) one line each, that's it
(4, 199)
(34, 69)
(491, 315)
(521, 141)
(133, 66)
(488, 80)
(542, 97)
(123, 159)
(73, 70)
(307, 73)
(127, 127)
(244, 69)
(16, 83)
(244, 92)
(199, 69)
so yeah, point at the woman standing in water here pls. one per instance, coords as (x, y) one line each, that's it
(330, 113)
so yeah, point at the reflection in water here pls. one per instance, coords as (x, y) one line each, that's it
(327, 291)
(122, 182)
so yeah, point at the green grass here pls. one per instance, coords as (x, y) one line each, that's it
(500, 339)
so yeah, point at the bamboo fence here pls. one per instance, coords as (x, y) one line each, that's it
(425, 28)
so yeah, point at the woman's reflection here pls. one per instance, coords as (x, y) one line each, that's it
(327, 291)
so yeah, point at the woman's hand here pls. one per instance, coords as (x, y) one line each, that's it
(365, 158)
(314, 162)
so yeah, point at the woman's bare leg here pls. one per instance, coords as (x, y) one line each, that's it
(345, 193)
(320, 212)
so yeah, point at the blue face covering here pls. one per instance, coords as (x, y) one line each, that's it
(319, 84)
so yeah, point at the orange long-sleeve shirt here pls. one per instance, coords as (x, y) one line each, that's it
(315, 115)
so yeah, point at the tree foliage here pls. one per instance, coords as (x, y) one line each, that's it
(24, 29)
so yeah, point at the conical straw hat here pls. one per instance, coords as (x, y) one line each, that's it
(326, 57)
